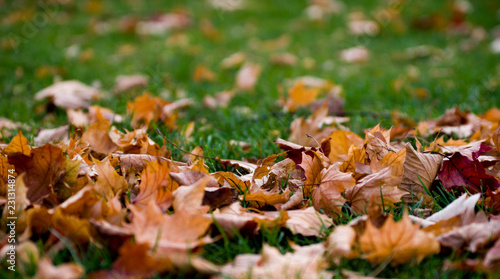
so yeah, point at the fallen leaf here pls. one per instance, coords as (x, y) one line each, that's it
(305, 262)
(163, 23)
(340, 243)
(307, 222)
(145, 109)
(312, 166)
(97, 136)
(398, 242)
(202, 73)
(51, 135)
(124, 83)
(458, 171)
(355, 54)
(247, 77)
(383, 185)
(234, 60)
(337, 145)
(47, 270)
(157, 184)
(420, 170)
(493, 254)
(19, 145)
(109, 183)
(70, 94)
(310, 132)
(43, 169)
(328, 197)
(472, 236)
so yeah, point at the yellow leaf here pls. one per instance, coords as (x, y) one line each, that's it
(18, 145)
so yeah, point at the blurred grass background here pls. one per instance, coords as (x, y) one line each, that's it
(37, 38)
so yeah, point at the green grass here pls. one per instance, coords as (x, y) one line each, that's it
(469, 80)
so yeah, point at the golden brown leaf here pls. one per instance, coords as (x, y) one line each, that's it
(418, 168)
(383, 185)
(76, 229)
(328, 196)
(338, 144)
(340, 242)
(109, 183)
(19, 145)
(43, 169)
(156, 184)
(97, 136)
(307, 222)
(400, 242)
(377, 143)
(145, 109)
(312, 166)
(312, 126)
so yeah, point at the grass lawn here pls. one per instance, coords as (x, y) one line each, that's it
(420, 64)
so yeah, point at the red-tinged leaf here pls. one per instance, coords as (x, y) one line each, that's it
(458, 171)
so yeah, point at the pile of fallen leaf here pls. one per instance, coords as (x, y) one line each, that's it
(89, 183)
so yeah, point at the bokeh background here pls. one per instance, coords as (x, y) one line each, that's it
(416, 58)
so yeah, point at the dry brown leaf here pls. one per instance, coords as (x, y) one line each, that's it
(340, 243)
(493, 254)
(327, 197)
(337, 145)
(234, 60)
(307, 222)
(472, 236)
(299, 95)
(19, 145)
(189, 198)
(202, 73)
(124, 83)
(305, 262)
(247, 77)
(419, 168)
(157, 184)
(50, 135)
(312, 126)
(377, 143)
(355, 157)
(400, 242)
(109, 183)
(355, 54)
(145, 109)
(182, 230)
(259, 198)
(312, 166)
(70, 94)
(97, 136)
(462, 207)
(47, 270)
(496, 137)
(382, 185)
(72, 227)
(43, 169)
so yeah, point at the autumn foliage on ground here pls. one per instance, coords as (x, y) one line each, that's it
(110, 190)
(94, 184)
